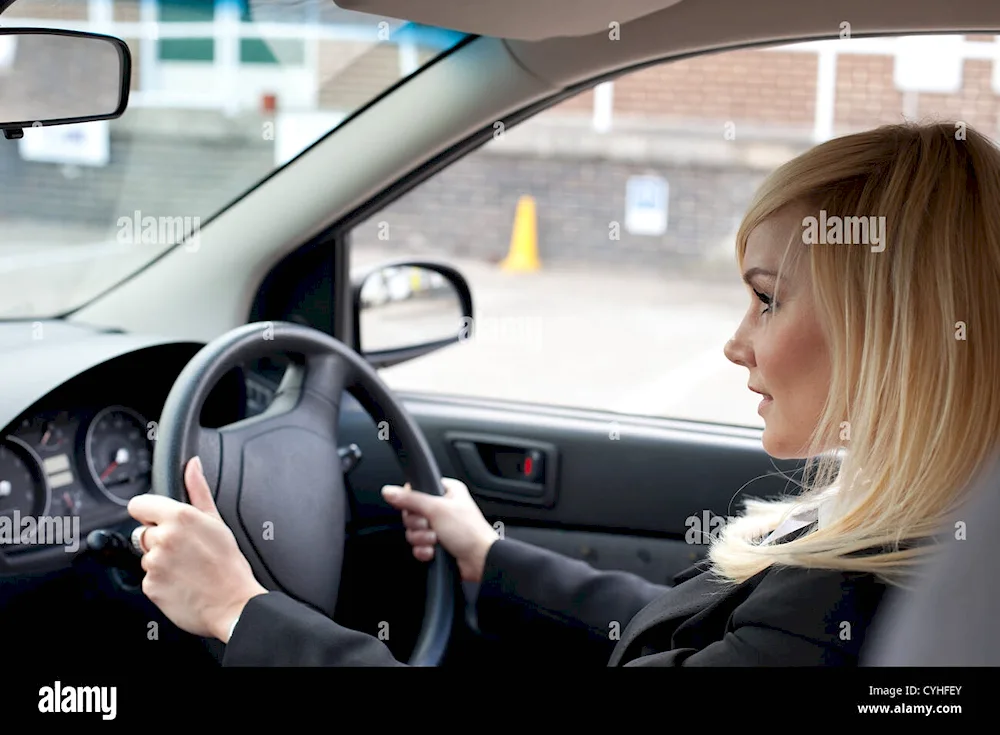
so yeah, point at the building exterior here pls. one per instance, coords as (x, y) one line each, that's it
(211, 80)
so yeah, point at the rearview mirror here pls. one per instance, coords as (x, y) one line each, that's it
(406, 309)
(53, 77)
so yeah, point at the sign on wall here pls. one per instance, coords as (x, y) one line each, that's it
(83, 144)
(646, 201)
(929, 64)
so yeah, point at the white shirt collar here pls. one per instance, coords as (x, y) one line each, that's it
(820, 516)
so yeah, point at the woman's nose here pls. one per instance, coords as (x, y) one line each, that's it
(737, 352)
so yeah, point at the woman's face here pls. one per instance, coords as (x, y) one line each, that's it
(781, 343)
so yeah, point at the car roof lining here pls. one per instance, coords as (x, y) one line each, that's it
(551, 38)
(529, 20)
(695, 26)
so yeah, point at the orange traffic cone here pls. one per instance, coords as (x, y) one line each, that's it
(523, 254)
(416, 280)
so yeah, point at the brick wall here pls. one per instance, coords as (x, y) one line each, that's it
(47, 9)
(774, 92)
(468, 210)
(668, 120)
(126, 10)
(351, 74)
(161, 176)
(746, 87)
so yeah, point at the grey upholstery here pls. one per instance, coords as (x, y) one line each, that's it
(952, 618)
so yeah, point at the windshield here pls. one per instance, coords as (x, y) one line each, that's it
(223, 94)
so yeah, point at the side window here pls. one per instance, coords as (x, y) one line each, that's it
(598, 237)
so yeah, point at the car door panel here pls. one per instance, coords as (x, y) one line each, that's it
(640, 495)
(655, 559)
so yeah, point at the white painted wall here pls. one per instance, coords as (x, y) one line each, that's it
(296, 88)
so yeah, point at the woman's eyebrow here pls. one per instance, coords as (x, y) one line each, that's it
(752, 273)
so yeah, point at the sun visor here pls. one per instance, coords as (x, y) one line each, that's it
(525, 20)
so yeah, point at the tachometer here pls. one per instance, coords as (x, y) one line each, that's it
(24, 489)
(47, 433)
(119, 454)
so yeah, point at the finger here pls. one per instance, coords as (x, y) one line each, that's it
(199, 493)
(421, 538)
(143, 537)
(415, 521)
(152, 538)
(152, 509)
(452, 485)
(149, 561)
(405, 499)
(423, 553)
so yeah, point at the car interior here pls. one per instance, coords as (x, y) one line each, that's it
(220, 347)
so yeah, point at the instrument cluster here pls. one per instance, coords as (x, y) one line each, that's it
(75, 464)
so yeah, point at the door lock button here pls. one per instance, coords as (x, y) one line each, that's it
(532, 465)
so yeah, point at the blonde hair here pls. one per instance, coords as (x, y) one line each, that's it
(914, 338)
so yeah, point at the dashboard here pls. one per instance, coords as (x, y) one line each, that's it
(79, 413)
(72, 459)
(74, 462)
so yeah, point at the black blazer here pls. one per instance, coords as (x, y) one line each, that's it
(781, 617)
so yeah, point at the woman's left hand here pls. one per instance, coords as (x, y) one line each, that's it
(195, 572)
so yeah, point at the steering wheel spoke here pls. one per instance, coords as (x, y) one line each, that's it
(207, 446)
(326, 376)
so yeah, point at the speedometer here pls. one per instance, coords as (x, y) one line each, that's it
(24, 490)
(119, 454)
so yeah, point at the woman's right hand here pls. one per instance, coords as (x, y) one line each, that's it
(453, 519)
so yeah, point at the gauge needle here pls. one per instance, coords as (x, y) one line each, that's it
(45, 436)
(68, 499)
(121, 457)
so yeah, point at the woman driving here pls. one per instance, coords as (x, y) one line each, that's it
(872, 267)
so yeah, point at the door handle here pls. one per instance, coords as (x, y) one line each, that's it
(507, 468)
(475, 465)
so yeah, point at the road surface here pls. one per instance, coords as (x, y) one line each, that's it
(594, 337)
(629, 342)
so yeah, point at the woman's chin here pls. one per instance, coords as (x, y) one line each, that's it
(775, 445)
(778, 447)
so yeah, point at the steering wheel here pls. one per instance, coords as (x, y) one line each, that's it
(277, 477)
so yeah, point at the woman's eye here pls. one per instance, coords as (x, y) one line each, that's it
(766, 300)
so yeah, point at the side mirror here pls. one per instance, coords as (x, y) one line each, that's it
(54, 77)
(406, 309)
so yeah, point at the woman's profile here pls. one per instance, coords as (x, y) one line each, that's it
(872, 268)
